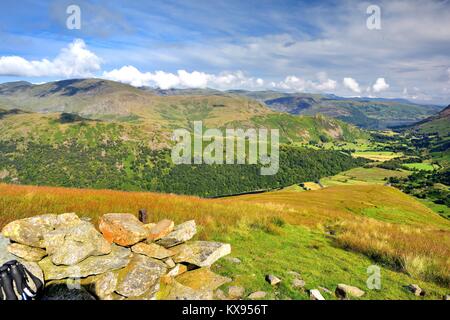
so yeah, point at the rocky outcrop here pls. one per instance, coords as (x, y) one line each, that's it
(127, 260)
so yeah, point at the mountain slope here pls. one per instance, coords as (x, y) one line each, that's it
(363, 112)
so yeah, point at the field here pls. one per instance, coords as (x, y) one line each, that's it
(420, 166)
(359, 176)
(377, 155)
(329, 236)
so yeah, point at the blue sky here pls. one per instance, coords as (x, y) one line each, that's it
(312, 46)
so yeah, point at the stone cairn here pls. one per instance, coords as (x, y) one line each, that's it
(127, 259)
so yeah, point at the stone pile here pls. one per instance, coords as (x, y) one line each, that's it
(126, 259)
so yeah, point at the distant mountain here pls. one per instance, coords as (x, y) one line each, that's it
(150, 114)
(371, 113)
(437, 124)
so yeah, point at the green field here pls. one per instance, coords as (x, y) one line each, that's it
(363, 176)
(420, 166)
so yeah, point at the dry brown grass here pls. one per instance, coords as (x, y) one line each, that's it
(380, 222)
(421, 252)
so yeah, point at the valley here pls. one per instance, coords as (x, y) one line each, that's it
(349, 194)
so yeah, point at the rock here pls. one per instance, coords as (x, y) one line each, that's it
(72, 244)
(326, 290)
(61, 291)
(273, 280)
(103, 285)
(257, 295)
(177, 270)
(414, 288)
(233, 260)
(220, 295)
(315, 294)
(170, 263)
(26, 252)
(236, 292)
(294, 274)
(181, 233)
(344, 291)
(93, 265)
(152, 250)
(122, 228)
(298, 283)
(161, 229)
(30, 231)
(202, 279)
(140, 278)
(446, 297)
(173, 290)
(201, 253)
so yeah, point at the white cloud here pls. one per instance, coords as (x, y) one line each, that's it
(74, 61)
(183, 79)
(380, 85)
(351, 84)
(293, 83)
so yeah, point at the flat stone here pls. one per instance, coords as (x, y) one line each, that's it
(161, 229)
(257, 295)
(315, 294)
(272, 280)
(233, 260)
(152, 250)
(71, 245)
(122, 228)
(201, 253)
(344, 291)
(103, 285)
(298, 283)
(140, 278)
(181, 233)
(236, 292)
(93, 265)
(170, 263)
(173, 290)
(26, 252)
(30, 231)
(202, 279)
(177, 270)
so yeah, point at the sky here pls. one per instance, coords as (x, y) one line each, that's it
(292, 46)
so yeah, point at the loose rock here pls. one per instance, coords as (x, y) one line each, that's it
(177, 270)
(344, 291)
(202, 279)
(181, 233)
(315, 294)
(26, 252)
(298, 283)
(152, 250)
(140, 278)
(161, 229)
(272, 280)
(201, 253)
(414, 288)
(236, 292)
(257, 295)
(122, 228)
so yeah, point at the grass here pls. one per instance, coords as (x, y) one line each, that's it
(322, 234)
(377, 155)
(423, 166)
(358, 176)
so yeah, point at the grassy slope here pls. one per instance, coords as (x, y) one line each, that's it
(273, 232)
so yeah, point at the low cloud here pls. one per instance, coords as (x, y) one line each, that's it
(380, 85)
(183, 79)
(73, 61)
(351, 84)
